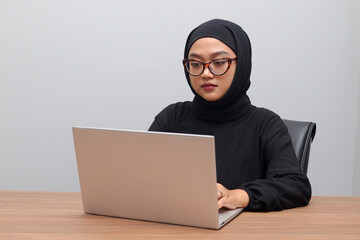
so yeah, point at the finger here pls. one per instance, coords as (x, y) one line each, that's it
(221, 203)
(219, 195)
(220, 190)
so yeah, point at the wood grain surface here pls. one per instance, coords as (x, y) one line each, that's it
(51, 215)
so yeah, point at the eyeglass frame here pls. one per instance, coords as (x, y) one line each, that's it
(207, 65)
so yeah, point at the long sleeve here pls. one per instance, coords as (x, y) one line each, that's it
(284, 185)
(156, 126)
(162, 121)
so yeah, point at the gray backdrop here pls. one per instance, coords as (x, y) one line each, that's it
(116, 64)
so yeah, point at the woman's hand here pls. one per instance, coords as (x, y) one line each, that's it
(231, 199)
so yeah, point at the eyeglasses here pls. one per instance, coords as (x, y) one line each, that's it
(217, 67)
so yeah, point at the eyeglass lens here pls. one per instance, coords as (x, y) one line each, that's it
(217, 67)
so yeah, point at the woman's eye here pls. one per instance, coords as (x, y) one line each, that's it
(219, 62)
(195, 64)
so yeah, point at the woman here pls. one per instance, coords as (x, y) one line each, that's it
(256, 165)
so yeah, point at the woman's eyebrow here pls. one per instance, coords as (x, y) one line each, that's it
(195, 55)
(218, 53)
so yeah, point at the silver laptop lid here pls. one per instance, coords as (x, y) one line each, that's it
(153, 176)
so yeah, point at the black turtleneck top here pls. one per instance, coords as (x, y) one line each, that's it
(253, 148)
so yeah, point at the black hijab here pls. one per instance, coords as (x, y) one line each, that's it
(235, 103)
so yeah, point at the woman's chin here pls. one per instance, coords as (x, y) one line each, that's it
(210, 98)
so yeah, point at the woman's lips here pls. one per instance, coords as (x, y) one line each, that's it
(208, 86)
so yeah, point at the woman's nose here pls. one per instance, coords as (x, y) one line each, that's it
(207, 74)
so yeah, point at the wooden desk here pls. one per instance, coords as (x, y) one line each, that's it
(44, 215)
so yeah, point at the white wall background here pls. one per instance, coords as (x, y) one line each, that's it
(116, 64)
(356, 183)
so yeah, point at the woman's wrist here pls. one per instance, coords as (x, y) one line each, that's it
(241, 197)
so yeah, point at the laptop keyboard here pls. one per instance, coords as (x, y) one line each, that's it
(225, 214)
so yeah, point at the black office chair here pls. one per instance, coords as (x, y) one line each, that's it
(302, 134)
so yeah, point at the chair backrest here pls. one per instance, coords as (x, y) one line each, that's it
(302, 134)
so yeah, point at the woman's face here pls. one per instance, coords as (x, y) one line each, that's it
(207, 85)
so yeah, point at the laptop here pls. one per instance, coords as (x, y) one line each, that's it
(152, 176)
